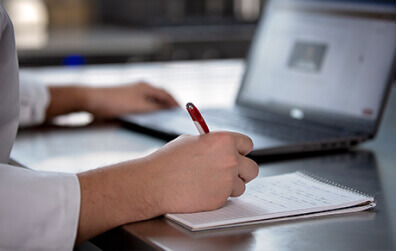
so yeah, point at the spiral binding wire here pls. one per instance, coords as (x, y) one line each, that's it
(316, 178)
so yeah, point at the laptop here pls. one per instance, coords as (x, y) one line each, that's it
(317, 78)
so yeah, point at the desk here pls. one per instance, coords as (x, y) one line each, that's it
(369, 168)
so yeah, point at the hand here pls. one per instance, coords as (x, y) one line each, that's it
(108, 102)
(135, 98)
(199, 173)
(189, 174)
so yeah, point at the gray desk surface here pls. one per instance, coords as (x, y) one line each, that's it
(369, 168)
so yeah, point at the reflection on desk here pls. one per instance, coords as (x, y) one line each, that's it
(356, 231)
(74, 150)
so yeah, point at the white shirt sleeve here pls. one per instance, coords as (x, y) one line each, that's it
(39, 210)
(34, 100)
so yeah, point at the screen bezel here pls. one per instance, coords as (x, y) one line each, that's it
(325, 117)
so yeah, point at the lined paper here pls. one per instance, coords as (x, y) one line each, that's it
(277, 196)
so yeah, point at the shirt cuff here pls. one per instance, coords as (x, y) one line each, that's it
(38, 210)
(34, 100)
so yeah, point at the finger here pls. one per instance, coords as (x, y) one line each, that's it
(239, 187)
(248, 169)
(162, 96)
(244, 143)
(171, 99)
(152, 104)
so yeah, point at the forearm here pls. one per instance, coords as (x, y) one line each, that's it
(115, 195)
(67, 99)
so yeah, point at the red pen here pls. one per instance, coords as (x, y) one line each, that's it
(198, 120)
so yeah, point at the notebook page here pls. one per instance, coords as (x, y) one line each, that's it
(275, 196)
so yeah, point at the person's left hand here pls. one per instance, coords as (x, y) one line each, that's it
(140, 97)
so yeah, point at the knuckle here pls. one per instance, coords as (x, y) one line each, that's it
(252, 171)
(256, 173)
(250, 143)
(144, 84)
(223, 138)
(231, 161)
(229, 179)
(241, 192)
(255, 169)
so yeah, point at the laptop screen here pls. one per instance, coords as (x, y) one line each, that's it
(321, 56)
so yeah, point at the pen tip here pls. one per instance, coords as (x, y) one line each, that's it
(189, 105)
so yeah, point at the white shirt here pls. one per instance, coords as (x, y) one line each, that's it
(34, 100)
(38, 210)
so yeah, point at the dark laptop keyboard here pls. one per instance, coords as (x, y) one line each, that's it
(268, 128)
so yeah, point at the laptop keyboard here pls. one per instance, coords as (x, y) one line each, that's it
(268, 128)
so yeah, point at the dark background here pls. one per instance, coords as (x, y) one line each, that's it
(119, 31)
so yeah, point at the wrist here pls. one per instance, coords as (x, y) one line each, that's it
(118, 194)
(68, 99)
(135, 189)
(144, 190)
(86, 98)
(157, 186)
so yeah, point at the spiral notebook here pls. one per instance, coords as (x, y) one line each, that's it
(278, 198)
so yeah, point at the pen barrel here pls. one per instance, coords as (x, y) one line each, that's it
(199, 128)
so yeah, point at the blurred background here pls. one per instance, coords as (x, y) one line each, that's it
(59, 32)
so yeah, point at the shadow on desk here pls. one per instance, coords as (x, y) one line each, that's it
(165, 234)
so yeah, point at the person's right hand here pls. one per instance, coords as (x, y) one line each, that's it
(199, 173)
(189, 174)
